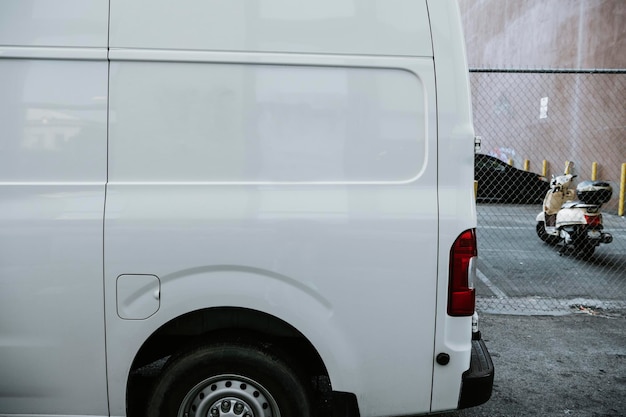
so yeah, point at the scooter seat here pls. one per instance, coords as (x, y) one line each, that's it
(577, 204)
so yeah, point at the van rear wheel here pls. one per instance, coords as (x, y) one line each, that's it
(230, 379)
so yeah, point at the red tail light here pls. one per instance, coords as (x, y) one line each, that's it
(593, 221)
(461, 295)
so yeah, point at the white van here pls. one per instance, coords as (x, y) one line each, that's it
(236, 208)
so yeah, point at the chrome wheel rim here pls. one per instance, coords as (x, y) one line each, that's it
(228, 396)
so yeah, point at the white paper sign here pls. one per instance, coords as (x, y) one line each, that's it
(543, 108)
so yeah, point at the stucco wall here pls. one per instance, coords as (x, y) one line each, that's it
(545, 33)
(586, 113)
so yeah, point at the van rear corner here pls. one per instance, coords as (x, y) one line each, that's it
(464, 371)
(477, 380)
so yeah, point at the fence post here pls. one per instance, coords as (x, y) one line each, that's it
(544, 168)
(622, 190)
(594, 171)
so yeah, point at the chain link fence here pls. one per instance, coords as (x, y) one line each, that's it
(535, 124)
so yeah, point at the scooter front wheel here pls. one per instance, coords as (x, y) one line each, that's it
(543, 235)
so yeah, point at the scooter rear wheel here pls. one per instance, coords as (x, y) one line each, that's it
(585, 249)
(583, 246)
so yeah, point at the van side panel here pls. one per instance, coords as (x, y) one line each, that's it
(53, 110)
(58, 23)
(266, 123)
(298, 186)
(345, 27)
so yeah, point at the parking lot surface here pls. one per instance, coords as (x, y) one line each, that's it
(549, 366)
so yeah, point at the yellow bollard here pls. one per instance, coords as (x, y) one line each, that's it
(568, 167)
(594, 171)
(622, 191)
(526, 164)
(544, 168)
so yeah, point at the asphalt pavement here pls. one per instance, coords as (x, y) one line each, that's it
(564, 365)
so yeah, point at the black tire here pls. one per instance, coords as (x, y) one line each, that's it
(543, 235)
(233, 375)
(583, 246)
(585, 249)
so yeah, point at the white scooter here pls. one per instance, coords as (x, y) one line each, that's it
(574, 222)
